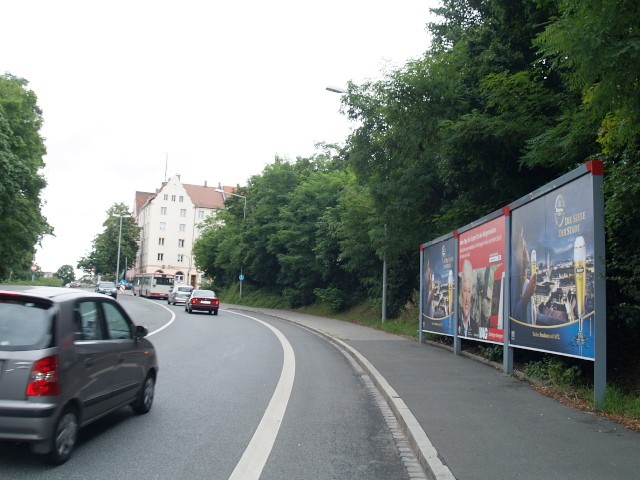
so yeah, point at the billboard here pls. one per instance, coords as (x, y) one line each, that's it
(552, 272)
(438, 287)
(481, 268)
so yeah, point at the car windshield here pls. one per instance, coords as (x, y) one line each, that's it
(24, 325)
(106, 285)
(204, 294)
(185, 289)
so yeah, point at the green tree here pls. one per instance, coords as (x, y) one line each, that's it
(66, 273)
(595, 46)
(119, 229)
(21, 151)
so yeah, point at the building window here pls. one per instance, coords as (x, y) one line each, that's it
(181, 242)
(180, 258)
(179, 278)
(166, 196)
(181, 199)
(161, 241)
(200, 214)
(183, 212)
(182, 227)
(161, 256)
(163, 210)
(173, 198)
(163, 225)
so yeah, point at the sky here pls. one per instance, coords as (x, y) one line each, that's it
(135, 91)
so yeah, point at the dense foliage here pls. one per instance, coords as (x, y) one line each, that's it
(121, 230)
(22, 225)
(510, 95)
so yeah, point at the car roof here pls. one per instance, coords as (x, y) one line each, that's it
(57, 294)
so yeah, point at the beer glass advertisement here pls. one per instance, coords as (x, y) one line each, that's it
(481, 263)
(439, 287)
(552, 272)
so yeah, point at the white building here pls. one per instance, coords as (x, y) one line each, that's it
(169, 222)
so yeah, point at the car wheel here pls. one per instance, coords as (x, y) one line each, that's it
(215, 312)
(65, 435)
(145, 397)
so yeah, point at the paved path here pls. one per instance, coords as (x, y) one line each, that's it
(467, 420)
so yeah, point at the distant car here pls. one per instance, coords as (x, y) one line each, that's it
(179, 294)
(108, 288)
(202, 300)
(68, 357)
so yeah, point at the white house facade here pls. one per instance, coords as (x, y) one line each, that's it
(169, 222)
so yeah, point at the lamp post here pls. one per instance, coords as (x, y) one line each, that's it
(384, 255)
(244, 221)
(119, 243)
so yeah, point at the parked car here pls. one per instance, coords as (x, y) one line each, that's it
(179, 294)
(67, 358)
(202, 300)
(108, 288)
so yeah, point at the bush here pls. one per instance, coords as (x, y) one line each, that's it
(554, 372)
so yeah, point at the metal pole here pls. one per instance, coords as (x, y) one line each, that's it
(244, 223)
(384, 277)
(118, 260)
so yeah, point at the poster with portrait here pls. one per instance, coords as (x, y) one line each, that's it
(438, 287)
(552, 272)
(481, 268)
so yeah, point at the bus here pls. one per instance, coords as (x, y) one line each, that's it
(153, 285)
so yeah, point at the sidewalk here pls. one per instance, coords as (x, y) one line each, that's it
(467, 420)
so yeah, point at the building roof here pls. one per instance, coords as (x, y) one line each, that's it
(204, 197)
(141, 199)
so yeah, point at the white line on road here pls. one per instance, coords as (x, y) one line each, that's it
(255, 456)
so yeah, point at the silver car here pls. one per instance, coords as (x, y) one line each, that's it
(179, 294)
(67, 358)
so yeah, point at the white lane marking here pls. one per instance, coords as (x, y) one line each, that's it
(173, 316)
(255, 456)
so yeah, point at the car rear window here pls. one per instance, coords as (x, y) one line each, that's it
(24, 325)
(185, 289)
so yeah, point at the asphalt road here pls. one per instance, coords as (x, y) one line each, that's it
(218, 377)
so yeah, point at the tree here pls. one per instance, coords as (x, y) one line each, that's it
(66, 273)
(103, 257)
(21, 151)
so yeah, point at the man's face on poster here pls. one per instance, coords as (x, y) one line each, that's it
(466, 296)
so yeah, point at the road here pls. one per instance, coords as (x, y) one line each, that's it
(238, 396)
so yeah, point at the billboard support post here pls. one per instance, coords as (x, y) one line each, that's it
(600, 364)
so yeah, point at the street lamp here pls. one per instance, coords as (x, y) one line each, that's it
(119, 243)
(244, 222)
(336, 89)
(384, 259)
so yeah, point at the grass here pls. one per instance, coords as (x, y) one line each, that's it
(557, 377)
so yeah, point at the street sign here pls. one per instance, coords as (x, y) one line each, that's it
(241, 277)
(33, 268)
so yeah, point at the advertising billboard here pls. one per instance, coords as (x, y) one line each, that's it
(481, 269)
(438, 287)
(552, 272)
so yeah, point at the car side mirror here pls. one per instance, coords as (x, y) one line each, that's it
(140, 331)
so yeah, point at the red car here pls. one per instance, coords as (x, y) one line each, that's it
(202, 300)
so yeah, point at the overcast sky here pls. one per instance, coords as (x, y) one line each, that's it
(135, 90)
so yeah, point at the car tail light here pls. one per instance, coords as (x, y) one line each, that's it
(43, 380)
(216, 302)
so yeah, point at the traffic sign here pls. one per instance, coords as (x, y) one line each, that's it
(33, 268)
(241, 277)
